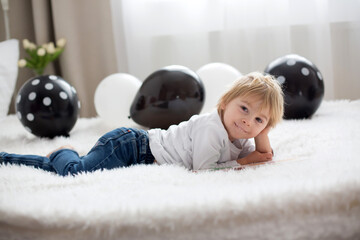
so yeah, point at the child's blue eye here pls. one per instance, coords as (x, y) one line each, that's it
(259, 120)
(244, 108)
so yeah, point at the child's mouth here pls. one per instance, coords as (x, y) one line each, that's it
(242, 129)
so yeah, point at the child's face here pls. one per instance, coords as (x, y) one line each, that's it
(244, 117)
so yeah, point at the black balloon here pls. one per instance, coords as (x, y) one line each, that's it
(168, 96)
(302, 84)
(47, 106)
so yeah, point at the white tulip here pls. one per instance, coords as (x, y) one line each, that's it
(22, 63)
(41, 52)
(50, 48)
(61, 42)
(26, 44)
(32, 46)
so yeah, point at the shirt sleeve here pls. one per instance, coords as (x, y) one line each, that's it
(208, 144)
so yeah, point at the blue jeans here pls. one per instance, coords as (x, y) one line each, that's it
(119, 148)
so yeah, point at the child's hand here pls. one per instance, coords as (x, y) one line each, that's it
(265, 131)
(255, 157)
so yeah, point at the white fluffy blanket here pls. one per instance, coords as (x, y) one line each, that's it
(315, 197)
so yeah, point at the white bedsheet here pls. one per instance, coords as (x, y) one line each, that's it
(314, 195)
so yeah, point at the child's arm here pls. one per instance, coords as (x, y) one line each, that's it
(262, 142)
(263, 151)
(255, 157)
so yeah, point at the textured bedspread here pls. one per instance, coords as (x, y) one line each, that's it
(313, 195)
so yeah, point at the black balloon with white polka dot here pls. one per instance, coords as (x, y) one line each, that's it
(302, 83)
(47, 106)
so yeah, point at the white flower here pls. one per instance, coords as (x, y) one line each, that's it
(22, 63)
(61, 42)
(41, 52)
(26, 44)
(50, 48)
(32, 46)
(41, 55)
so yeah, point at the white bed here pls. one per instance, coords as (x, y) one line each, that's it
(313, 195)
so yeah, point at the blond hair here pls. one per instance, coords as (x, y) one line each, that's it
(263, 86)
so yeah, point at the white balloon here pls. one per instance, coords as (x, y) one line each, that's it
(113, 98)
(216, 78)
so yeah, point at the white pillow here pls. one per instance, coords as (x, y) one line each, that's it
(9, 56)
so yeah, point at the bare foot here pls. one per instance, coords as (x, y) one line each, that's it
(62, 147)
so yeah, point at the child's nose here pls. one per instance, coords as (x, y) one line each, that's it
(246, 122)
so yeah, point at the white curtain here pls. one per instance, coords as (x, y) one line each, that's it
(247, 34)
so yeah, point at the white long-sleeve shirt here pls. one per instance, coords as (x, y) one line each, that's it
(201, 142)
